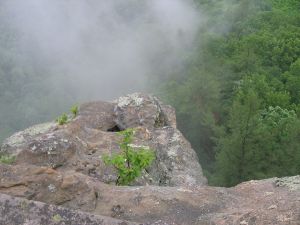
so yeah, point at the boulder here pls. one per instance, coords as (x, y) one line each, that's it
(80, 144)
(59, 168)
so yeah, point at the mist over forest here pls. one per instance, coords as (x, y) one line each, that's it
(231, 69)
(58, 53)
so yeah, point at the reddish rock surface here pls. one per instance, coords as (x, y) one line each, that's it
(62, 166)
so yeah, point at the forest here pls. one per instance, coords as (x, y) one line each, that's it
(236, 94)
(237, 99)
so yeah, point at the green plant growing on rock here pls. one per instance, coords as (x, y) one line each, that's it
(74, 111)
(130, 162)
(7, 159)
(63, 119)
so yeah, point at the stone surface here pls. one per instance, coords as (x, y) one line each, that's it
(254, 202)
(62, 166)
(80, 144)
(143, 110)
(18, 211)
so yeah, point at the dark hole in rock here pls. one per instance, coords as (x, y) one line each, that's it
(114, 129)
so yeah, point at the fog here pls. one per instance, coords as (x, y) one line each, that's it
(101, 49)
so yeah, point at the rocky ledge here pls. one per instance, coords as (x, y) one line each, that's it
(58, 176)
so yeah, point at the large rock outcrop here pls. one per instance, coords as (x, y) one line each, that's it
(62, 166)
(79, 145)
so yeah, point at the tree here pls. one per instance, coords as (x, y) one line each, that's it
(259, 143)
(292, 80)
(278, 144)
(235, 145)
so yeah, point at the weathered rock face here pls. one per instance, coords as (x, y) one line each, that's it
(79, 145)
(272, 201)
(62, 166)
(16, 211)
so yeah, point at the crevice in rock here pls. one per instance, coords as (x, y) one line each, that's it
(115, 128)
(160, 121)
(12, 186)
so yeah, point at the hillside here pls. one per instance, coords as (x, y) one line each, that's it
(237, 98)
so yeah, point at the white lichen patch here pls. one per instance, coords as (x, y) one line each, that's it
(184, 190)
(33, 148)
(272, 207)
(15, 140)
(292, 183)
(64, 140)
(139, 146)
(130, 99)
(20, 137)
(123, 101)
(52, 188)
(172, 152)
(176, 137)
(50, 151)
(268, 193)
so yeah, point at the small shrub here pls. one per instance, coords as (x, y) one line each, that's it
(130, 162)
(74, 110)
(63, 119)
(7, 159)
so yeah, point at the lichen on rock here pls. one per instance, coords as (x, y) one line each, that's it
(292, 183)
(20, 137)
(133, 99)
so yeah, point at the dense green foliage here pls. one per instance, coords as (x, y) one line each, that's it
(237, 99)
(130, 162)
